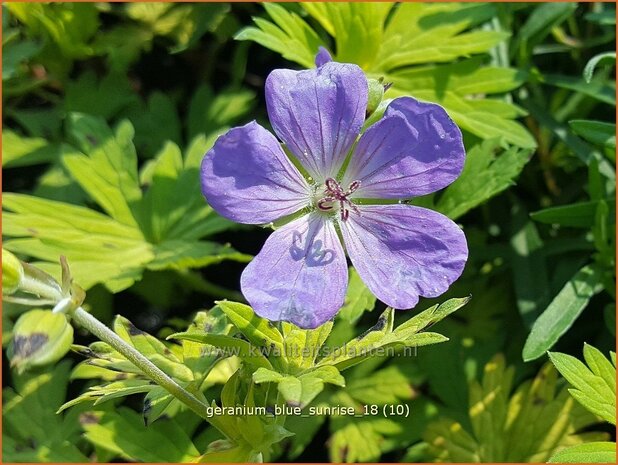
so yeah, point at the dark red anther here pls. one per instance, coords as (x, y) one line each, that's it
(334, 193)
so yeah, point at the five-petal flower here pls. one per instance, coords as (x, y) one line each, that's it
(348, 190)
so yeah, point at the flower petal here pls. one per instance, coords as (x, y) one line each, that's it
(414, 150)
(318, 113)
(402, 252)
(246, 177)
(300, 275)
(322, 57)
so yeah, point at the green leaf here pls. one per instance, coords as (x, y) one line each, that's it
(505, 427)
(110, 391)
(540, 23)
(581, 149)
(485, 175)
(595, 384)
(562, 312)
(229, 345)
(108, 173)
(592, 452)
(156, 124)
(209, 112)
(300, 391)
(67, 28)
(436, 32)
(158, 230)
(386, 386)
(596, 132)
(358, 299)
(264, 375)
(359, 441)
(173, 207)
(106, 97)
(578, 215)
(178, 254)
(415, 34)
(601, 91)
(86, 237)
(302, 346)
(528, 262)
(156, 404)
(290, 36)
(382, 338)
(257, 330)
(31, 429)
(600, 59)
(184, 24)
(16, 52)
(156, 351)
(23, 151)
(124, 433)
(357, 28)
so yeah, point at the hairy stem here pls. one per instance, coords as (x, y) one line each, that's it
(105, 334)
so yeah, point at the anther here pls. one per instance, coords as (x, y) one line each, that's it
(335, 193)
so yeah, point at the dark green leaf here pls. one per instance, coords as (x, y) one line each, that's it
(562, 312)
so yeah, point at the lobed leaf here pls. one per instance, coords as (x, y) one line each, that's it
(595, 384)
(485, 175)
(382, 336)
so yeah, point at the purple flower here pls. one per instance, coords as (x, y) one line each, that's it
(339, 186)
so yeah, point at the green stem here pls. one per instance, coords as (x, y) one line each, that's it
(105, 334)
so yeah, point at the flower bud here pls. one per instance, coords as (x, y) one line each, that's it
(12, 272)
(376, 93)
(39, 337)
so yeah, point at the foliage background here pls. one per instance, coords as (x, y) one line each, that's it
(108, 109)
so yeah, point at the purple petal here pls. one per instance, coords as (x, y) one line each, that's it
(402, 252)
(247, 177)
(322, 57)
(318, 113)
(300, 275)
(414, 150)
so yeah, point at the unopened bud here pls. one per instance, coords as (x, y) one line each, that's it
(12, 272)
(40, 337)
(376, 94)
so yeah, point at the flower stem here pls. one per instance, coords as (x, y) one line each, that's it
(105, 334)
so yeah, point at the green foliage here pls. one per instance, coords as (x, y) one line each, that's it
(595, 384)
(595, 389)
(123, 433)
(108, 109)
(296, 360)
(590, 452)
(358, 299)
(576, 215)
(423, 49)
(562, 312)
(159, 229)
(537, 420)
(188, 364)
(31, 430)
(484, 176)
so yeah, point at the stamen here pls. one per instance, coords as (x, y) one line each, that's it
(354, 185)
(335, 193)
(323, 203)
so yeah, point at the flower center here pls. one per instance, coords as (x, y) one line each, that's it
(334, 194)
